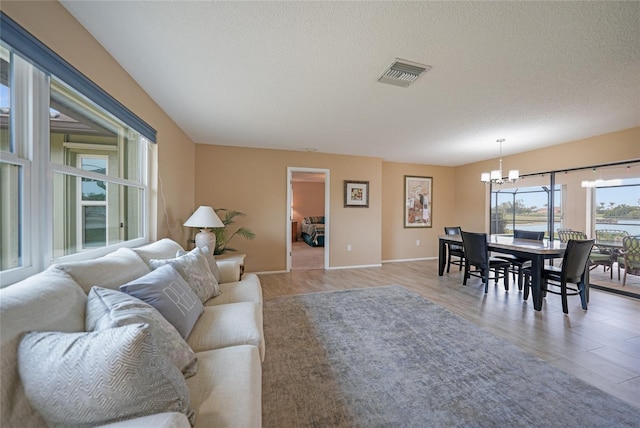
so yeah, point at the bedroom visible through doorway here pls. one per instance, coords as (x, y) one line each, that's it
(308, 221)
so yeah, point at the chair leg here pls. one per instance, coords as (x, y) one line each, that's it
(583, 294)
(611, 271)
(505, 280)
(461, 260)
(624, 278)
(485, 279)
(449, 261)
(563, 291)
(520, 278)
(466, 273)
(618, 271)
(527, 285)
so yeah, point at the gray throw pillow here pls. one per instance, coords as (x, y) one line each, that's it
(195, 269)
(87, 379)
(111, 308)
(165, 290)
(211, 260)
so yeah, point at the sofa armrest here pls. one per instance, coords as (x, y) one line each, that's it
(230, 271)
(159, 420)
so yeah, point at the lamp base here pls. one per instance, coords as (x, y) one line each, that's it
(206, 238)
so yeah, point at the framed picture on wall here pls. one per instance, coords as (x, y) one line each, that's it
(418, 207)
(356, 194)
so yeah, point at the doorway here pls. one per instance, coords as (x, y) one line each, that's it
(307, 219)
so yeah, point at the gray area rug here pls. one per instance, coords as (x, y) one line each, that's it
(387, 357)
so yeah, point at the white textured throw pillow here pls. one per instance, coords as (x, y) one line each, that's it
(110, 308)
(87, 379)
(195, 269)
(211, 260)
(169, 293)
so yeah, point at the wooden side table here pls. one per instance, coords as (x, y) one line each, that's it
(294, 231)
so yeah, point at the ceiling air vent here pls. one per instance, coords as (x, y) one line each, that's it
(402, 72)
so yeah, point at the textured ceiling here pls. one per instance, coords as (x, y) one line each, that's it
(303, 75)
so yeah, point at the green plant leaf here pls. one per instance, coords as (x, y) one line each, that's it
(222, 233)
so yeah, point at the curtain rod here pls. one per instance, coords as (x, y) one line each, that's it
(582, 168)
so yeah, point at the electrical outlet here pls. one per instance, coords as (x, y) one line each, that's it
(417, 242)
(348, 247)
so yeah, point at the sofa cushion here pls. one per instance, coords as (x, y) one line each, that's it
(166, 290)
(82, 379)
(227, 390)
(109, 271)
(162, 249)
(194, 268)
(50, 300)
(110, 308)
(228, 325)
(247, 290)
(158, 420)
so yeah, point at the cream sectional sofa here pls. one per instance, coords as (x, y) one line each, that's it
(227, 339)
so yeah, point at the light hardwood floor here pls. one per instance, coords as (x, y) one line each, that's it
(600, 346)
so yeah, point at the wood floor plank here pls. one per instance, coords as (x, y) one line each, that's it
(600, 346)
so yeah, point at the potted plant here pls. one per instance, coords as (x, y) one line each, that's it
(224, 236)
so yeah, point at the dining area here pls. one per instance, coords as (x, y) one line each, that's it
(534, 251)
(538, 266)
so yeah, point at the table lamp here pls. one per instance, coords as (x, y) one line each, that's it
(204, 218)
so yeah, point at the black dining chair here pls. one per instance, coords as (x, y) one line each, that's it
(454, 250)
(476, 253)
(573, 271)
(518, 264)
(595, 258)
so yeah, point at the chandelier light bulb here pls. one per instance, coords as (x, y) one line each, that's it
(495, 176)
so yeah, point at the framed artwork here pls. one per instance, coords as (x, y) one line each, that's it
(418, 207)
(356, 194)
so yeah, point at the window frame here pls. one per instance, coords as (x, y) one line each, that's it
(32, 66)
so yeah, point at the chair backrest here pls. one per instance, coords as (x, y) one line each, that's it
(528, 234)
(475, 248)
(614, 235)
(574, 261)
(631, 249)
(566, 235)
(452, 230)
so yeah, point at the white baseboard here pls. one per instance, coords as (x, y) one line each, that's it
(268, 272)
(409, 260)
(354, 267)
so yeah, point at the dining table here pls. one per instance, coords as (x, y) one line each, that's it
(536, 251)
(609, 245)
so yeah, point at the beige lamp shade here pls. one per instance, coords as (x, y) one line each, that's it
(203, 218)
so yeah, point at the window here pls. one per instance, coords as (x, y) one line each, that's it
(618, 205)
(98, 175)
(524, 205)
(92, 204)
(585, 199)
(73, 165)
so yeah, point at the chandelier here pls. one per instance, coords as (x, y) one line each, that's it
(495, 176)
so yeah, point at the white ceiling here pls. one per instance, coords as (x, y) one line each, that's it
(303, 75)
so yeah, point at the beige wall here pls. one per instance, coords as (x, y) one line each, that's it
(399, 243)
(308, 200)
(254, 181)
(55, 27)
(377, 233)
(471, 195)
